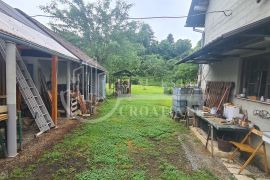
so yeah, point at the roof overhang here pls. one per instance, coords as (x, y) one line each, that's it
(253, 39)
(197, 12)
(13, 30)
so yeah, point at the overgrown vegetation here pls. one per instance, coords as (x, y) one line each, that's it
(138, 141)
(104, 32)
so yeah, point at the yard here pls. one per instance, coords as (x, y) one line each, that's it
(130, 138)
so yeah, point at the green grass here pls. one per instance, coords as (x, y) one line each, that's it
(138, 141)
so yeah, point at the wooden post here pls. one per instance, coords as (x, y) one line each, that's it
(212, 141)
(54, 88)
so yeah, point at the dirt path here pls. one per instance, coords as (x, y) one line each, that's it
(34, 148)
(200, 158)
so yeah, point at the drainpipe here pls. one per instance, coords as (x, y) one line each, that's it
(74, 77)
(200, 66)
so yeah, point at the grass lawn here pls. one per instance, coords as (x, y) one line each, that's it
(136, 140)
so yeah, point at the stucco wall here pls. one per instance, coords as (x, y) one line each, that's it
(244, 12)
(225, 70)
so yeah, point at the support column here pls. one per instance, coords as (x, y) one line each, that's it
(68, 89)
(96, 84)
(54, 89)
(83, 82)
(91, 83)
(87, 83)
(11, 99)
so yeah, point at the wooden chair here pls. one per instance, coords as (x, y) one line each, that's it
(245, 146)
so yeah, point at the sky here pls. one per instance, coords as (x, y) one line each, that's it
(141, 8)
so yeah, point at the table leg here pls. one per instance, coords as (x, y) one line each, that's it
(208, 136)
(212, 141)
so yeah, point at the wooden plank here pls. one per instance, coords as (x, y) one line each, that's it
(54, 89)
(3, 109)
(3, 117)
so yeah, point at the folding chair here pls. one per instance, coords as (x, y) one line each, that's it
(244, 146)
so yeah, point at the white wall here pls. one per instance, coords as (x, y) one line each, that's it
(244, 12)
(45, 65)
(225, 70)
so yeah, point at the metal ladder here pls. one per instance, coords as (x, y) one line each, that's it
(30, 93)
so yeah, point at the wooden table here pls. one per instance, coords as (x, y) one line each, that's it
(215, 123)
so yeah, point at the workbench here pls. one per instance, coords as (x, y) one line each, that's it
(213, 122)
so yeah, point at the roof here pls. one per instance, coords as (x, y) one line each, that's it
(252, 39)
(196, 15)
(73, 49)
(123, 73)
(17, 28)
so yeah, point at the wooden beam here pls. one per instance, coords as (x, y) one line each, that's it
(54, 87)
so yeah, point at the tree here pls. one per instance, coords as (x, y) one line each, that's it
(182, 47)
(146, 35)
(170, 39)
(92, 23)
(185, 73)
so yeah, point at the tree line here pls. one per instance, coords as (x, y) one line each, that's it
(103, 30)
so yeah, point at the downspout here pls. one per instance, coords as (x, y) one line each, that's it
(202, 44)
(74, 77)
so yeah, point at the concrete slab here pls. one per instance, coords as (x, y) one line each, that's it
(242, 177)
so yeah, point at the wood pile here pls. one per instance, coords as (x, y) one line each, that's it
(82, 103)
(3, 113)
(218, 93)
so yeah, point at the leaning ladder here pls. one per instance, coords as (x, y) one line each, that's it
(30, 93)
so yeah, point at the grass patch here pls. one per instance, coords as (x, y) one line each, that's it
(137, 141)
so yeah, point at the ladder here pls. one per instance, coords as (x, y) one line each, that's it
(30, 93)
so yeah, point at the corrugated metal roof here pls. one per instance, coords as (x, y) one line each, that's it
(10, 11)
(73, 49)
(196, 18)
(12, 27)
(250, 38)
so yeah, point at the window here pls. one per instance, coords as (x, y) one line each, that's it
(256, 76)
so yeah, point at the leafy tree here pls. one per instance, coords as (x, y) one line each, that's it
(182, 47)
(166, 49)
(170, 39)
(185, 73)
(92, 23)
(146, 36)
(103, 31)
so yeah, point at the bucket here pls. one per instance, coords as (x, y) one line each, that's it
(223, 145)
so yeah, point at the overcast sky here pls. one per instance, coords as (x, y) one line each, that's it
(141, 8)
